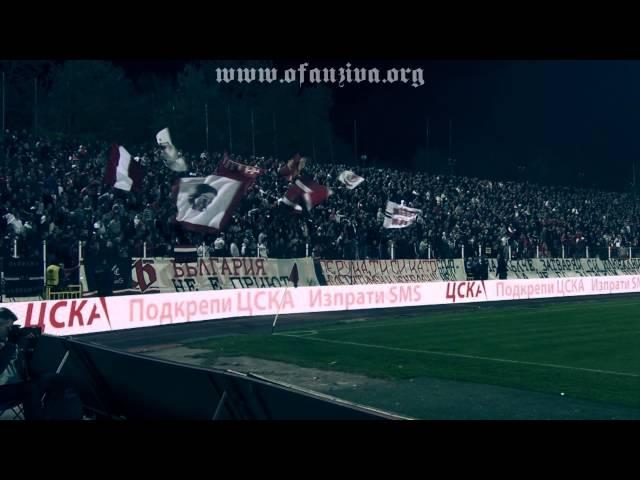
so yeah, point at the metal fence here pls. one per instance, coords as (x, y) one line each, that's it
(388, 250)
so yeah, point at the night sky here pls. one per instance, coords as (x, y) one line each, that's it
(552, 121)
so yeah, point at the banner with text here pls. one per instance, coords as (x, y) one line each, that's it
(164, 275)
(367, 272)
(566, 267)
(90, 315)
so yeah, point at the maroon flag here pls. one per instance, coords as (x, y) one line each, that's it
(292, 197)
(314, 193)
(229, 168)
(122, 171)
(306, 191)
(293, 167)
(238, 171)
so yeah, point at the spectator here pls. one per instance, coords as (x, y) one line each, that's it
(244, 249)
(233, 248)
(423, 249)
(501, 270)
(262, 250)
(53, 277)
(51, 200)
(218, 246)
(203, 251)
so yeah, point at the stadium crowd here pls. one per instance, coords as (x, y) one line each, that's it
(53, 190)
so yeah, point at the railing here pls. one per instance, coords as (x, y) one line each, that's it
(362, 251)
(72, 291)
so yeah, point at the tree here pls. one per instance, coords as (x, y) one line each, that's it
(90, 99)
(19, 95)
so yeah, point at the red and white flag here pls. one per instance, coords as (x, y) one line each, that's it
(122, 171)
(350, 179)
(306, 191)
(206, 204)
(238, 171)
(172, 157)
(293, 167)
(399, 216)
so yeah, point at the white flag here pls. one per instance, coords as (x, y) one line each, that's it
(163, 137)
(350, 179)
(172, 157)
(399, 216)
(206, 204)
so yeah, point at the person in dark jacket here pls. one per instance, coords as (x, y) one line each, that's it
(48, 397)
(484, 268)
(501, 271)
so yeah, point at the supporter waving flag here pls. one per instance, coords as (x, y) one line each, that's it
(238, 171)
(350, 179)
(206, 204)
(172, 157)
(293, 167)
(314, 193)
(122, 171)
(399, 216)
(305, 190)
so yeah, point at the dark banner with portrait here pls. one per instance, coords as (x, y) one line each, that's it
(206, 204)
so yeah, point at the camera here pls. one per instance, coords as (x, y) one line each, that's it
(26, 338)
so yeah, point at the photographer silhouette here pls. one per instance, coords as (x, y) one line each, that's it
(10, 364)
(44, 398)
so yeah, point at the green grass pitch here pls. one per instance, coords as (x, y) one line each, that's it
(521, 357)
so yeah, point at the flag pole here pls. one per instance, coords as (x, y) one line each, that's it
(331, 148)
(355, 142)
(253, 134)
(206, 122)
(450, 136)
(4, 150)
(275, 136)
(275, 320)
(313, 143)
(3, 105)
(35, 107)
(426, 149)
(229, 124)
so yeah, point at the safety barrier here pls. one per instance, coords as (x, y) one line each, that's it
(72, 291)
